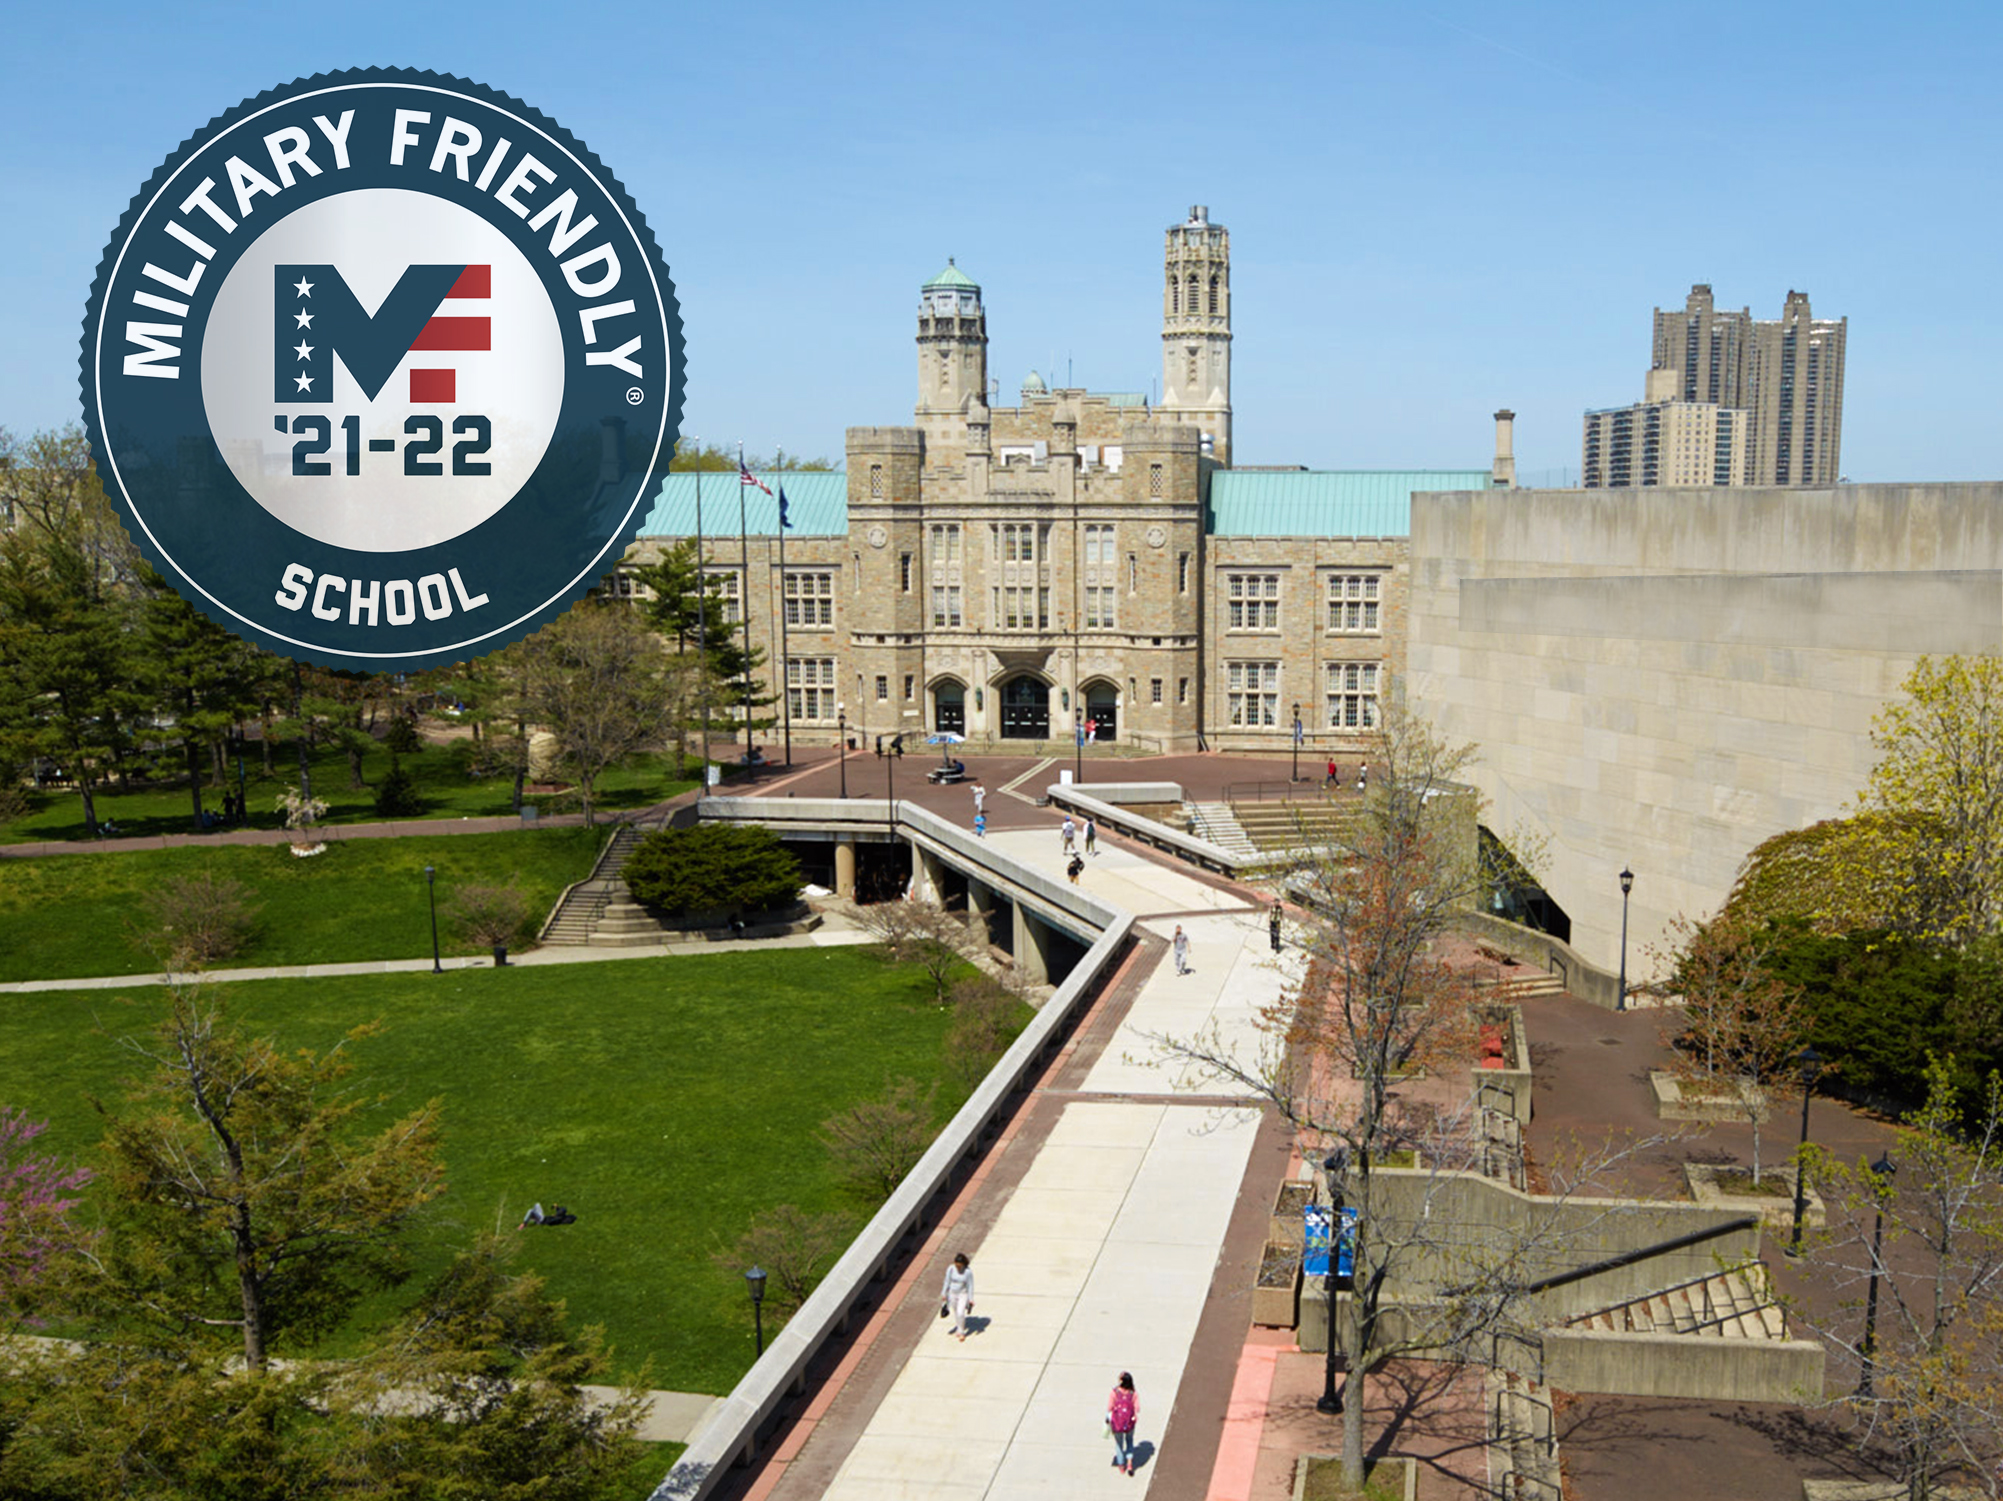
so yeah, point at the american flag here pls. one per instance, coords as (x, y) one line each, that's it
(746, 477)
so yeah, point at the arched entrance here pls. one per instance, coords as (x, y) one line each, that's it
(949, 707)
(1102, 706)
(1025, 709)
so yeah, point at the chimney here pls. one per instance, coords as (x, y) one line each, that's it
(1502, 474)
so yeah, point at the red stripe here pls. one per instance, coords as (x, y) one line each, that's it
(456, 333)
(434, 385)
(474, 281)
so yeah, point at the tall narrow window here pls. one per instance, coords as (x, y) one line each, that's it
(1213, 294)
(1154, 482)
(1182, 573)
(904, 572)
(1174, 295)
(1133, 573)
(876, 482)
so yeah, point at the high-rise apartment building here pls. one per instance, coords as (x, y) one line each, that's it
(1664, 440)
(1787, 373)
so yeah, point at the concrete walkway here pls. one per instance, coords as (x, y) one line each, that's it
(1102, 1257)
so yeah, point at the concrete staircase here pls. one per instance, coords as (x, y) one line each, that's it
(1525, 987)
(1522, 1440)
(582, 911)
(1737, 1303)
(1291, 825)
(1216, 823)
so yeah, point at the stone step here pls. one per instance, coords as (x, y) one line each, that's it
(1523, 1450)
(1734, 1304)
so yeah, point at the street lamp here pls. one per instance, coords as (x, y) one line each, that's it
(841, 728)
(1335, 1165)
(431, 889)
(1626, 885)
(1297, 743)
(1881, 1176)
(755, 1280)
(1810, 1063)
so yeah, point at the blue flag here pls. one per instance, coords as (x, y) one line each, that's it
(785, 524)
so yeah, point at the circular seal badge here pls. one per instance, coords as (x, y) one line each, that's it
(381, 369)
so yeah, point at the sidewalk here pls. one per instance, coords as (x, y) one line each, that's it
(1101, 1239)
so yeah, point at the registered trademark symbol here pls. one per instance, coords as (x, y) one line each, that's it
(634, 396)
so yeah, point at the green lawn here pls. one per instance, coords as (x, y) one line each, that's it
(664, 1101)
(439, 771)
(67, 915)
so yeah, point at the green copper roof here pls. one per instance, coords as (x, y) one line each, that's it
(952, 276)
(1326, 502)
(816, 504)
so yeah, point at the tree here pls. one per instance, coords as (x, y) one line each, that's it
(713, 867)
(250, 1199)
(65, 690)
(488, 916)
(923, 934)
(1380, 1003)
(876, 1143)
(1934, 803)
(593, 678)
(715, 458)
(1741, 1024)
(190, 921)
(37, 1193)
(1929, 1356)
(794, 1248)
(205, 678)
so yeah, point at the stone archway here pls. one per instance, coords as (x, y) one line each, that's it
(1025, 709)
(1102, 707)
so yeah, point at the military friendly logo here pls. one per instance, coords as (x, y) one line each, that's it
(381, 368)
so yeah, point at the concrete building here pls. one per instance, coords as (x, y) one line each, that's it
(1664, 678)
(1077, 560)
(1787, 373)
(1664, 440)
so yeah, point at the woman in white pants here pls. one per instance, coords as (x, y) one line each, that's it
(958, 1295)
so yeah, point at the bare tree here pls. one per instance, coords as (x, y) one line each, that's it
(874, 1144)
(1916, 1239)
(794, 1248)
(922, 934)
(1381, 1005)
(1739, 1026)
(595, 679)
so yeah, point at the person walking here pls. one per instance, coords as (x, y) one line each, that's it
(1075, 868)
(980, 824)
(1123, 1410)
(1363, 777)
(1070, 832)
(1334, 772)
(1180, 944)
(980, 798)
(956, 1297)
(1273, 924)
(1091, 836)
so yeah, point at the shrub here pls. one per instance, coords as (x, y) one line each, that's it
(792, 1247)
(397, 795)
(191, 921)
(713, 867)
(987, 1015)
(489, 916)
(402, 738)
(876, 1143)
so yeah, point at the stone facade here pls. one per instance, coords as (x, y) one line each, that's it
(1018, 573)
(1661, 679)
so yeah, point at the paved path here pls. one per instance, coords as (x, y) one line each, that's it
(1102, 1257)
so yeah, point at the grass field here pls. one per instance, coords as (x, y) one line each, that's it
(67, 915)
(439, 772)
(664, 1101)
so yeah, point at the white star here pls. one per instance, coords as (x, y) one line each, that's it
(304, 320)
(303, 287)
(303, 350)
(305, 382)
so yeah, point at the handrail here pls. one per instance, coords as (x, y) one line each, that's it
(1629, 1258)
(1660, 1292)
(1307, 789)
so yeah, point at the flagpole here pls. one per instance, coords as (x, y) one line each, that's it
(785, 686)
(744, 606)
(701, 621)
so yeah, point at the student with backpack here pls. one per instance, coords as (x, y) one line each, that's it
(1122, 1412)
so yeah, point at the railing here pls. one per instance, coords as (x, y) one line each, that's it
(619, 827)
(1199, 852)
(1711, 1320)
(1282, 792)
(731, 1433)
(1629, 1258)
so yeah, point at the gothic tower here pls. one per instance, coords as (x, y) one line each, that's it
(952, 343)
(1196, 329)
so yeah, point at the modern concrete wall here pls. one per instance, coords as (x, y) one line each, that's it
(1662, 678)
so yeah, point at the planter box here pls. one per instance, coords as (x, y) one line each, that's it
(1678, 1101)
(1287, 1227)
(1777, 1211)
(1406, 1470)
(1277, 1291)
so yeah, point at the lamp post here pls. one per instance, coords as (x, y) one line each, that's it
(1626, 885)
(1335, 1165)
(890, 780)
(1296, 775)
(755, 1280)
(431, 890)
(1881, 1178)
(841, 728)
(1810, 1063)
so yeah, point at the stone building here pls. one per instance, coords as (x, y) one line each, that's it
(1078, 561)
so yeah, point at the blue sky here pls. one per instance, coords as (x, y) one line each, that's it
(1434, 211)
